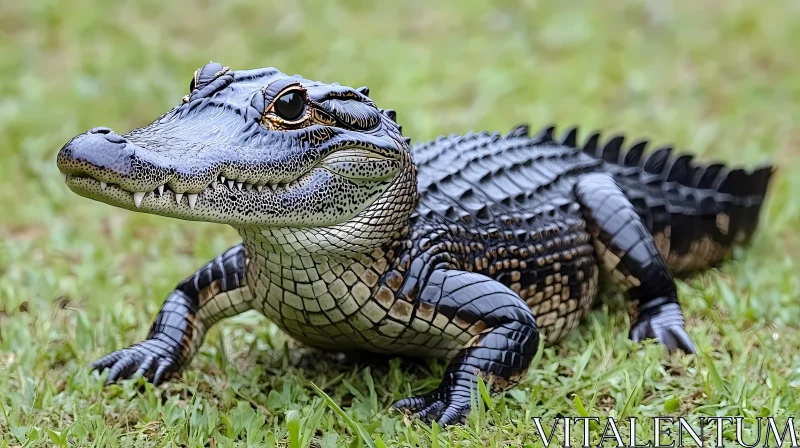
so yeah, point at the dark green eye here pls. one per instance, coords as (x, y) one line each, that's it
(290, 106)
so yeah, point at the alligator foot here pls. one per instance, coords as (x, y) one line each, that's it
(154, 359)
(499, 351)
(665, 324)
(442, 406)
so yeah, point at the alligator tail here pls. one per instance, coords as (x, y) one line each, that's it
(695, 212)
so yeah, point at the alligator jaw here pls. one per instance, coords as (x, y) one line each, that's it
(163, 200)
(108, 192)
(232, 202)
(157, 201)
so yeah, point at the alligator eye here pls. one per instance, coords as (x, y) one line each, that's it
(290, 106)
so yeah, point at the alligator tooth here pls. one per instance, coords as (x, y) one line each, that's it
(192, 199)
(178, 197)
(230, 185)
(138, 197)
(65, 176)
(259, 187)
(160, 190)
(222, 179)
(273, 186)
(248, 187)
(103, 185)
(214, 185)
(239, 186)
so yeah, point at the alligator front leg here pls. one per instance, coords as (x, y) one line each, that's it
(626, 250)
(499, 337)
(214, 292)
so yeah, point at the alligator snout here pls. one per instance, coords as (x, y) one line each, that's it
(96, 153)
(107, 157)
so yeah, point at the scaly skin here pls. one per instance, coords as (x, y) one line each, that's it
(469, 247)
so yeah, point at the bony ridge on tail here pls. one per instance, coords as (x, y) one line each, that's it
(470, 248)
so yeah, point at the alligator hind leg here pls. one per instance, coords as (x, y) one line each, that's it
(495, 328)
(216, 291)
(626, 250)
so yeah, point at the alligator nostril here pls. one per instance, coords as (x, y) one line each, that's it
(114, 138)
(109, 135)
(100, 130)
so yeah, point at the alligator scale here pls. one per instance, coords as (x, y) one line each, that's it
(470, 248)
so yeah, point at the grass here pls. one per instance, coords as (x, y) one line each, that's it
(80, 279)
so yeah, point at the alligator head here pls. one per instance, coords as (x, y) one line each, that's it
(250, 148)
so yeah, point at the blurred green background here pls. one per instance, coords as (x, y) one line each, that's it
(79, 279)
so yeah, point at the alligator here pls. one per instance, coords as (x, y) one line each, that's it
(470, 248)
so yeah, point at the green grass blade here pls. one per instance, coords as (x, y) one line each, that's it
(352, 424)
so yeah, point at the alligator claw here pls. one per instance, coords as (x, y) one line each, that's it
(666, 326)
(443, 407)
(147, 359)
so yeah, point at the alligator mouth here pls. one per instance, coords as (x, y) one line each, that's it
(163, 196)
(344, 162)
(115, 170)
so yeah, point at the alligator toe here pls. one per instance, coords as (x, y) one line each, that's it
(666, 326)
(145, 359)
(438, 406)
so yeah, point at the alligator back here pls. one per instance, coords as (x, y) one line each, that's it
(523, 183)
(503, 206)
(483, 178)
